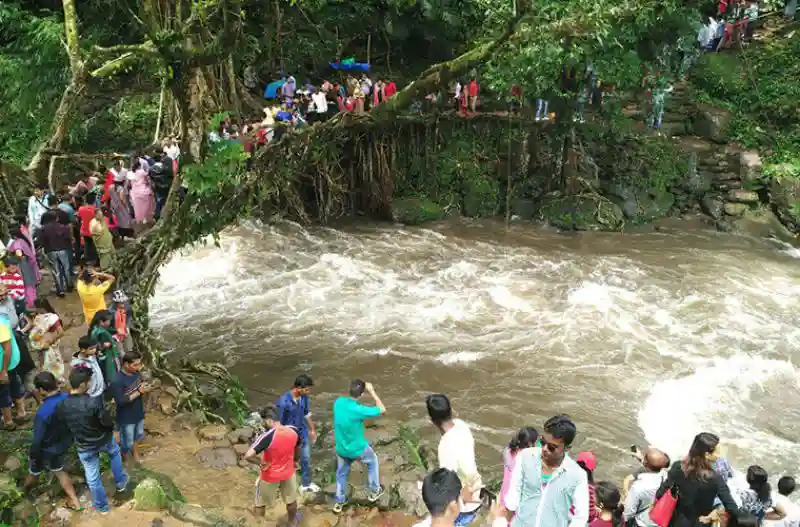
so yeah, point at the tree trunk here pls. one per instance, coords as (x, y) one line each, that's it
(70, 100)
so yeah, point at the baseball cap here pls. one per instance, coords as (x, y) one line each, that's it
(588, 459)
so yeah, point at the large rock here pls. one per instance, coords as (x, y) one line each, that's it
(213, 432)
(149, 496)
(217, 458)
(743, 196)
(586, 212)
(415, 211)
(241, 435)
(711, 123)
(735, 209)
(409, 498)
(784, 195)
(751, 169)
(714, 207)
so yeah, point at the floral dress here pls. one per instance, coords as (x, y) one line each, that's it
(752, 505)
(53, 361)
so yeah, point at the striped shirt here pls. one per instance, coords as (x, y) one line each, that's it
(15, 285)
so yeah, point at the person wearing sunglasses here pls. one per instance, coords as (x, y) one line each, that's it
(546, 484)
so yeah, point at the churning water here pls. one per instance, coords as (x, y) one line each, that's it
(641, 338)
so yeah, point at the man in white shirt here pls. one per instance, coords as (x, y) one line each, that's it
(457, 453)
(548, 488)
(786, 486)
(37, 206)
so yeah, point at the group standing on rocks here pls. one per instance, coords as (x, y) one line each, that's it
(543, 485)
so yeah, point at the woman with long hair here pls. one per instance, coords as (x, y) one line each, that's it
(697, 484)
(44, 334)
(120, 204)
(757, 499)
(107, 355)
(525, 438)
(142, 193)
(29, 267)
(609, 505)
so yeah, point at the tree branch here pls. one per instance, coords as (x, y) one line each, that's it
(439, 75)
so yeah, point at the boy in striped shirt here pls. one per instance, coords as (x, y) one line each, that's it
(12, 279)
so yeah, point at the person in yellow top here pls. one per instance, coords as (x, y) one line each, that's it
(92, 287)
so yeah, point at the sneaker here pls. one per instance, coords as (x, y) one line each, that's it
(309, 488)
(125, 486)
(375, 496)
(338, 508)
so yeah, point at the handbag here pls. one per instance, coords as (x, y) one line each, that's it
(664, 507)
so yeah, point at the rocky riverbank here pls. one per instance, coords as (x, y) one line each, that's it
(193, 472)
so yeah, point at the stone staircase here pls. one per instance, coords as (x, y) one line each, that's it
(726, 172)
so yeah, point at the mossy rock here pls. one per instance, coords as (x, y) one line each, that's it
(149, 496)
(480, 197)
(10, 494)
(415, 211)
(586, 212)
(654, 205)
(171, 491)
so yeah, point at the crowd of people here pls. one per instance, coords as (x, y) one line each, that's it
(543, 485)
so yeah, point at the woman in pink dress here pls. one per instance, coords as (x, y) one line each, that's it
(525, 438)
(29, 267)
(141, 194)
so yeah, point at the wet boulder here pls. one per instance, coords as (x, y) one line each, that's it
(711, 123)
(735, 209)
(213, 432)
(415, 211)
(581, 212)
(784, 194)
(742, 196)
(712, 206)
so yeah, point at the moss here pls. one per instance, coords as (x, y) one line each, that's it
(415, 211)
(586, 212)
(481, 197)
(150, 496)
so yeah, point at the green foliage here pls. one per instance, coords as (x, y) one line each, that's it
(33, 74)
(761, 88)
(413, 443)
(218, 171)
(415, 211)
(126, 125)
(236, 401)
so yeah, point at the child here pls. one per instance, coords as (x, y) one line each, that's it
(87, 356)
(12, 279)
(51, 440)
(588, 462)
(107, 355)
(608, 501)
(128, 389)
(525, 438)
(123, 317)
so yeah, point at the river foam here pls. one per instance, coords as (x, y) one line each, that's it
(653, 336)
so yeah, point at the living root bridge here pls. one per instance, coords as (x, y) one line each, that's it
(350, 166)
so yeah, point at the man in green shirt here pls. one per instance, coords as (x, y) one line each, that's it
(351, 445)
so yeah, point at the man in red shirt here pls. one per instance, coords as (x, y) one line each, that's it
(85, 215)
(473, 95)
(279, 448)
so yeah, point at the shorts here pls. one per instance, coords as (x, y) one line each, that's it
(129, 434)
(49, 462)
(11, 391)
(266, 492)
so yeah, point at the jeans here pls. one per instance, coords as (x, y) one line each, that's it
(305, 460)
(541, 104)
(658, 113)
(160, 201)
(12, 390)
(129, 434)
(61, 267)
(370, 460)
(90, 459)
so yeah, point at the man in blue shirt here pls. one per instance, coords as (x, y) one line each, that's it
(293, 409)
(51, 439)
